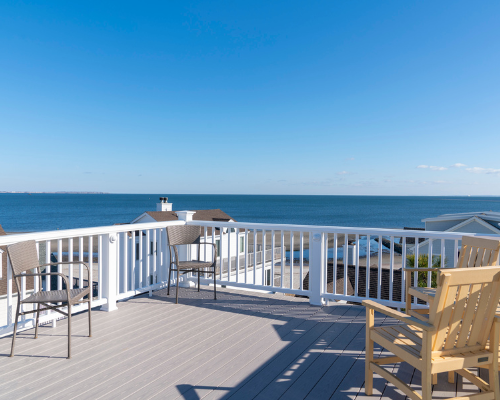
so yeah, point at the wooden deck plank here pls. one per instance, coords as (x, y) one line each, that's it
(219, 342)
(256, 365)
(257, 347)
(339, 379)
(151, 352)
(244, 345)
(271, 371)
(352, 384)
(328, 347)
(111, 330)
(97, 357)
(218, 380)
(226, 359)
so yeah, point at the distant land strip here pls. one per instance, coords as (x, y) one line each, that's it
(2, 191)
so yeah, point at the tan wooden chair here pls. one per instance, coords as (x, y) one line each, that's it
(455, 338)
(23, 257)
(475, 252)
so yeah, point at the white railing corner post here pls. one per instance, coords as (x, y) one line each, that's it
(109, 266)
(316, 269)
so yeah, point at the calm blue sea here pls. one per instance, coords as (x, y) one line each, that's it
(44, 212)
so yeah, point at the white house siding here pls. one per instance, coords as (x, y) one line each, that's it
(441, 226)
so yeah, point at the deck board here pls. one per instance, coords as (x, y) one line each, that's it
(245, 345)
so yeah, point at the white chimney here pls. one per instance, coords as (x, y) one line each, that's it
(163, 205)
(185, 215)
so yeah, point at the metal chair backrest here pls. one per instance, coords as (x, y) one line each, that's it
(478, 251)
(23, 257)
(464, 309)
(183, 234)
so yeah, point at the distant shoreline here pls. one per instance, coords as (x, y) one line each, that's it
(4, 192)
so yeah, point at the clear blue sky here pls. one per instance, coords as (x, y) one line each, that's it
(277, 97)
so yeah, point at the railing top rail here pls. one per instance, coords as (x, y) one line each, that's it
(62, 234)
(339, 229)
(68, 233)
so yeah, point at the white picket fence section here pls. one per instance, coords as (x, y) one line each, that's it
(306, 260)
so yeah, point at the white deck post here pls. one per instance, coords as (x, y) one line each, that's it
(316, 269)
(109, 266)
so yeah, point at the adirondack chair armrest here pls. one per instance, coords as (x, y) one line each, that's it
(398, 315)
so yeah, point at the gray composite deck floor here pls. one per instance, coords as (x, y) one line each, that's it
(243, 346)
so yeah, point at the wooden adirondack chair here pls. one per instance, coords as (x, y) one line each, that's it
(475, 252)
(461, 322)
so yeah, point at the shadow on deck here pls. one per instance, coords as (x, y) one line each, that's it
(245, 345)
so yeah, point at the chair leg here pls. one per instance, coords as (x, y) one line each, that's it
(90, 319)
(198, 280)
(69, 330)
(215, 286)
(37, 318)
(177, 289)
(494, 381)
(426, 385)
(370, 322)
(451, 377)
(169, 277)
(15, 329)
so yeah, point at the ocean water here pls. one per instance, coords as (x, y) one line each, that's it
(44, 212)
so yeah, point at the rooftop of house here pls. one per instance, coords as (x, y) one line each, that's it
(489, 215)
(200, 215)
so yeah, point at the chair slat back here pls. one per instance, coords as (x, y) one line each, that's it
(464, 307)
(478, 251)
(183, 234)
(23, 256)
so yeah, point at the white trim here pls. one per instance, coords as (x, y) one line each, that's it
(141, 216)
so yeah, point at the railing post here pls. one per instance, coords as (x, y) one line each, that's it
(109, 266)
(316, 269)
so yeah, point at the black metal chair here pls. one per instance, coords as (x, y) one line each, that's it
(23, 257)
(180, 235)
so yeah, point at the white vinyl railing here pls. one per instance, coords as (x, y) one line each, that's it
(321, 262)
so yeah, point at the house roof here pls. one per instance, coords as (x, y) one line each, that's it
(215, 215)
(489, 215)
(200, 215)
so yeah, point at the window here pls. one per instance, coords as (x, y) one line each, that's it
(152, 247)
(242, 244)
(217, 245)
(137, 251)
